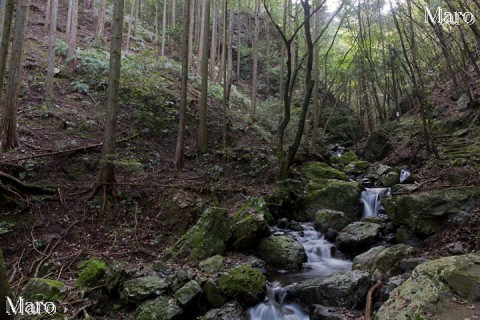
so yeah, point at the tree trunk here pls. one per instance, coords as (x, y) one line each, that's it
(46, 26)
(253, 107)
(8, 130)
(230, 56)
(282, 53)
(51, 53)
(179, 151)
(224, 71)
(190, 30)
(72, 43)
(213, 48)
(5, 290)
(223, 47)
(173, 7)
(135, 20)
(69, 21)
(5, 44)
(164, 28)
(239, 42)
(202, 128)
(101, 22)
(106, 177)
(130, 24)
(201, 44)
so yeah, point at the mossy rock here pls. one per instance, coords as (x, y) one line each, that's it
(213, 264)
(250, 224)
(357, 237)
(43, 289)
(212, 294)
(318, 170)
(282, 252)
(356, 167)
(91, 273)
(206, 239)
(428, 212)
(376, 146)
(136, 290)
(114, 276)
(389, 180)
(334, 195)
(243, 283)
(340, 161)
(432, 286)
(188, 294)
(160, 308)
(326, 219)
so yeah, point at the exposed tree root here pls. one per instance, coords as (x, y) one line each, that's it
(368, 308)
(23, 187)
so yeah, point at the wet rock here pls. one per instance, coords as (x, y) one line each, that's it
(114, 276)
(347, 289)
(463, 101)
(376, 170)
(207, 238)
(230, 311)
(256, 262)
(318, 171)
(356, 167)
(334, 195)
(409, 264)
(136, 290)
(341, 161)
(376, 147)
(456, 248)
(189, 293)
(319, 312)
(250, 225)
(243, 283)
(326, 219)
(389, 180)
(282, 252)
(406, 236)
(432, 287)
(428, 212)
(395, 282)
(213, 264)
(42, 289)
(382, 262)
(212, 294)
(159, 308)
(404, 188)
(357, 237)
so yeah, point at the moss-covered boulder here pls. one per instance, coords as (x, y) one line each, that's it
(229, 311)
(318, 171)
(389, 180)
(207, 238)
(326, 219)
(114, 276)
(282, 252)
(213, 264)
(430, 291)
(357, 237)
(212, 294)
(243, 283)
(382, 262)
(42, 289)
(342, 160)
(376, 146)
(356, 167)
(332, 194)
(250, 224)
(188, 294)
(347, 289)
(160, 308)
(431, 211)
(91, 271)
(136, 290)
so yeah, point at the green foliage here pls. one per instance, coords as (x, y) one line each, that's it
(61, 48)
(80, 86)
(91, 271)
(94, 61)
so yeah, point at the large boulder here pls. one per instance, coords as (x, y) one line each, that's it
(229, 311)
(282, 252)
(376, 147)
(250, 224)
(382, 262)
(160, 308)
(356, 167)
(432, 289)
(389, 180)
(357, 237)
(243, 283)
(431, 211)
(326, 219)
(207, 238)
(347, 289)
(91, 272)
(318, 171)
(189, 293)
(42, 289)
(213, 264)
(136, 290)
(332, 194)
(342, 160)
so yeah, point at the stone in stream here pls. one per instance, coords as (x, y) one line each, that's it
(318, 171)
(357, 237)
(446, 288)
(229, 311)
(347, 289)
(326, 219)
(319, 312)
(282, 252)
(243, 283)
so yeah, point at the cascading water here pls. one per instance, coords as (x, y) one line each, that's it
(320, 262)
(404, 174)
(370, 198)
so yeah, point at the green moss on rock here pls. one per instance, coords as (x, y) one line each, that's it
(319, 170)
(159, 308)
(42, 289)
(243, 283)
(282, 252)
(326, 219)
(91, 272)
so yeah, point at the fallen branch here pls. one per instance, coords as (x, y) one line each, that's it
(368, 308)
(23, 187)
(41, 155)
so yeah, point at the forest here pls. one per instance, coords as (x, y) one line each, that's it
(239, 160)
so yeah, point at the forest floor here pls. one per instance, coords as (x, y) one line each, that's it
(154, 204)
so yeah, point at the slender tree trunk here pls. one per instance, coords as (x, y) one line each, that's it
(164, 28)
(106, 178)
(282, 54)
(155, 25)
(316, 111)
(179, 151)
(69, 22)
(130, 24)
(5, 290)
(46, 26)
(2, 15)
(51, 53)
(202, 128)
(174, 8)
(190, 30)
(201, 45)
(72, 43)
(230, 56)
(223, 46)
(224, 71)
(8, 129)
(135, 21)
(99, 32)
(253, 107)
(5, 44)
(239, 42)
(213, 48)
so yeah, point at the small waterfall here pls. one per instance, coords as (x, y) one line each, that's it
(320, 263)
(371, 200)
(404, 174)
(274, 309)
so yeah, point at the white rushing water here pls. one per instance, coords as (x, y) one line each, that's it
(371, 200)
(404, 174)
(320, 262)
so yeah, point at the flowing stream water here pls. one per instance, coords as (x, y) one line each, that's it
(320, 262)
(370, 198)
